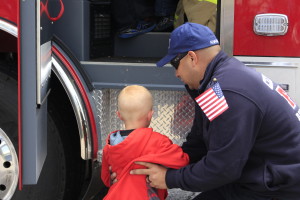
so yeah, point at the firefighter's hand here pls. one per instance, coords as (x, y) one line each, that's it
(156, 174)
(113, 176)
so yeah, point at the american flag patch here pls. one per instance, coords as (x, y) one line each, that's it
(212, 102)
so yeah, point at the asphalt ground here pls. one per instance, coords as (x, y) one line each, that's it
(178, 194)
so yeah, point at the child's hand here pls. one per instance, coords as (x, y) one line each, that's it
(113, 176)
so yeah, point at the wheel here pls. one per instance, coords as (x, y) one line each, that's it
(53, 178)
(9, 169)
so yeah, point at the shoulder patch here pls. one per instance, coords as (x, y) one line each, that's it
(212, 102)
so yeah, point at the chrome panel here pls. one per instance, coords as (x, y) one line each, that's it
(284, 71)
(173, 113)
(78, 107)
(44, 72)
(9, 28)
(227, 26)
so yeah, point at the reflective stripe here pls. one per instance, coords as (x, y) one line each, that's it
(212, 1)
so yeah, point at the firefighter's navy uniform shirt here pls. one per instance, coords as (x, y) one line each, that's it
(254, 144)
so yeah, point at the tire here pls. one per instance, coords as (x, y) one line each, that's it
(53, 178)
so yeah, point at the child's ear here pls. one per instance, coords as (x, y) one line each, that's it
(119, 115)
(150, 114)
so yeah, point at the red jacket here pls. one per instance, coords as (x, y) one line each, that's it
(141, 145)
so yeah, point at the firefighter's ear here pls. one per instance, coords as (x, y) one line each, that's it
(119, 115)
(193, 56)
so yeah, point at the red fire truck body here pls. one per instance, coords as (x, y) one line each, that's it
(61, 68)
(247, 43)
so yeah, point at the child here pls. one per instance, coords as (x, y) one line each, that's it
(137, 143)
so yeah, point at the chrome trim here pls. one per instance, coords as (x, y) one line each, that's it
(45, 71)
(78, 107)
(227, 26)
(271, 64)
(38, 54)
(9, 28)
(121, 64)
(270, 21)
(9, 167)
(263, 61)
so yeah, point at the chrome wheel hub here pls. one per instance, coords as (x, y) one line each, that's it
(9, 169)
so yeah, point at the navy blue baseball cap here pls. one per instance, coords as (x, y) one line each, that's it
(188, 37)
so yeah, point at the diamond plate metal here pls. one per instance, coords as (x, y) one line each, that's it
(173, 113)
(173, 117)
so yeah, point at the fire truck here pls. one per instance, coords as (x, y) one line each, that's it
(62, 66)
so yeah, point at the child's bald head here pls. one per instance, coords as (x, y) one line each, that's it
(134, 103)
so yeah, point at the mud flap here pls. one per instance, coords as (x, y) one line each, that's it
(34, 73)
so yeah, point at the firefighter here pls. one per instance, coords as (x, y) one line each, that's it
(197, 11)
(245, 139)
